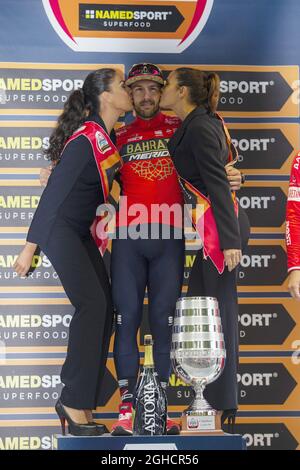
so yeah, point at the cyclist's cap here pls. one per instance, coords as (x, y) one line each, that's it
(144, 71)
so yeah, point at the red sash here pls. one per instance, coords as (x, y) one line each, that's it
(106, 155)
(108, 162)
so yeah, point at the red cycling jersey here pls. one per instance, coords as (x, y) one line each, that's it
(148, 175)
(293, 217)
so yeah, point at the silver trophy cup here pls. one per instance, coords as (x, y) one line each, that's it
(198, 357)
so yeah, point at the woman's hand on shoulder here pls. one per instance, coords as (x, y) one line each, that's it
(45, 174)
(234, 177)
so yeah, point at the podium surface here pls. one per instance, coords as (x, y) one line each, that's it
(108, 442)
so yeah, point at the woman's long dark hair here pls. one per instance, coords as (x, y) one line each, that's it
(80, 104)
(204, 87)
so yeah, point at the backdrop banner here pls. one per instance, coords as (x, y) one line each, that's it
(47, 48)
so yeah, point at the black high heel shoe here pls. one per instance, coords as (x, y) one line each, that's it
(101, 427)
(89, 429)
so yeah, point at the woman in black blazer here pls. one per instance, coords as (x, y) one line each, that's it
(80, 182)
(200, 149)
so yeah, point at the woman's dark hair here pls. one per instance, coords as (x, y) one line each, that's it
(80, 104)
(203, 86)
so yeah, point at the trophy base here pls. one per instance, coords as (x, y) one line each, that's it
(201, 422)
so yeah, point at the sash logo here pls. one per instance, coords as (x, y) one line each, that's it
(102, 143)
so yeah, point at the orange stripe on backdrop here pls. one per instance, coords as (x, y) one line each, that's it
(28, 423)
(20, 182)
(38, 65)
(32, 289)
(28, 124)
(43, 301)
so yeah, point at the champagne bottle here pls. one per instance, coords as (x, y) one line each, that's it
(150, 402)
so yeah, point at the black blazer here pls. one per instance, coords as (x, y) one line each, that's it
(72, 194)
(199, 150)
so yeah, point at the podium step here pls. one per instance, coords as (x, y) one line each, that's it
(108, 442)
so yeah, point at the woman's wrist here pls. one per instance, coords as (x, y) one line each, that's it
(30, 247)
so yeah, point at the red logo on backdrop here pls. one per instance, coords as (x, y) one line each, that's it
(130, 26)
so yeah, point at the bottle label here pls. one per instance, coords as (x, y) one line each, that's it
(150, 407)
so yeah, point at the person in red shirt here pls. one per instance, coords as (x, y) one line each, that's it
(293, 230)
(155, 262)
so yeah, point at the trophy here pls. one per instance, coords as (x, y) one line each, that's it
(198, 358)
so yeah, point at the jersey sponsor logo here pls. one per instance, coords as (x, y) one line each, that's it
(161, 170)
(296, 163)
(145, 150)
(134, 137)
(288, 237)
(147, 156)
(294, 193)
(146, 145)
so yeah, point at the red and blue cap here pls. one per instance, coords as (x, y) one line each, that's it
(144, 71)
